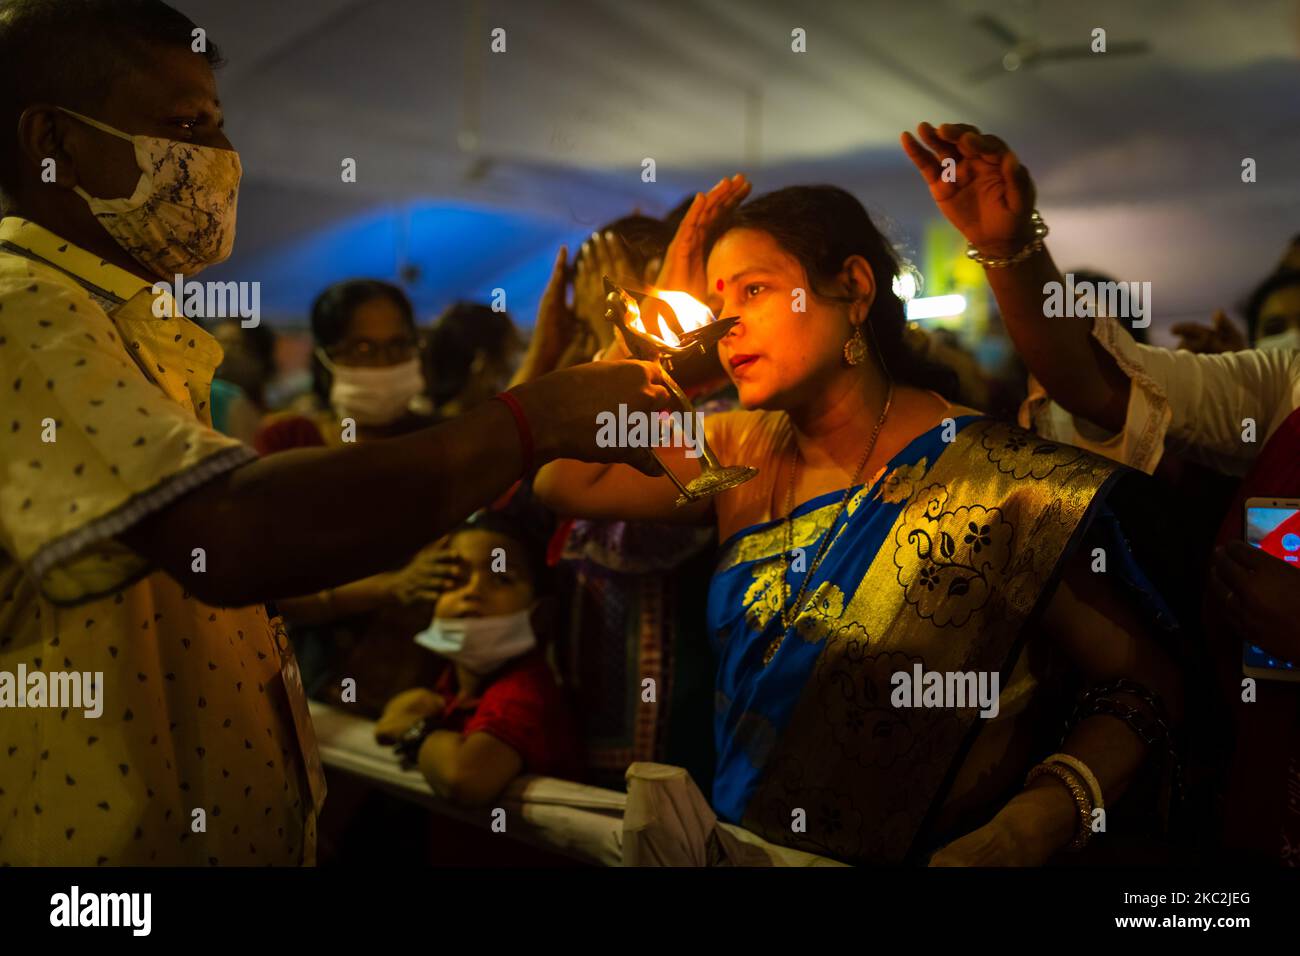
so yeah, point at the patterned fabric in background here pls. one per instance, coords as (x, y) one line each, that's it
(637, 596)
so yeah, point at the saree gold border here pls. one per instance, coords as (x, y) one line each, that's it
(770, 543)
(863, 772)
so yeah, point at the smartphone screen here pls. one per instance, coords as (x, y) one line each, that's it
(1276, 531)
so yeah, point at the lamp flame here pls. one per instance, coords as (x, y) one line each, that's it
(633, 318)
(690, 313)
(667, 334)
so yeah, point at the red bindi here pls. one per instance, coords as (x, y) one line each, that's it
(720, 285)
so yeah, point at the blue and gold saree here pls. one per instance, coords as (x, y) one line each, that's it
(944, 561)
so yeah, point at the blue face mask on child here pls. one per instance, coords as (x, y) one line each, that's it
(482, 644)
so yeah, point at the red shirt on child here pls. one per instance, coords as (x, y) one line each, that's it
(522, 707)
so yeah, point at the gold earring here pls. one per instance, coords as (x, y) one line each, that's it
(855, 349)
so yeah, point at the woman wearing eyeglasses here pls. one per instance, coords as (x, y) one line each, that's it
(368, 371)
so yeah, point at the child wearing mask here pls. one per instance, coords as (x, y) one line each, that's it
(368, 376)
(497, 711)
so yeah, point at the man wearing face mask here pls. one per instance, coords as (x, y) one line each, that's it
(136, 541)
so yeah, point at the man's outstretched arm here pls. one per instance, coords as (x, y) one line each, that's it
(300, 521)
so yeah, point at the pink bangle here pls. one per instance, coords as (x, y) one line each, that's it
(521, 425)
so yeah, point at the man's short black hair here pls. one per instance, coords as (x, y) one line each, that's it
(1096, 277)
(69, 53)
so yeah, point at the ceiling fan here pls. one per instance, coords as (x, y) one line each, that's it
(1025, 51)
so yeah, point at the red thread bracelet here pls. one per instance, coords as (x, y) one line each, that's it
(521, 425)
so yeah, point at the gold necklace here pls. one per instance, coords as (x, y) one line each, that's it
(789, 617)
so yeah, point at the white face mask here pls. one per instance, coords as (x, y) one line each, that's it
(181, 217)
(1290, 339)
(481, 644)
(373, 396)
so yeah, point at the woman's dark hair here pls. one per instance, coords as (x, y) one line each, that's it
(464, 329)
(822, 226)
(1279, 280)
(258, 341)
(646, 238)
(331, 314)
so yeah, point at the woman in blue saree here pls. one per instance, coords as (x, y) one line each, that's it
(891, 539)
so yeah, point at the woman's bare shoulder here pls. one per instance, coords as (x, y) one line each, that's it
(741, 427)
(933, 407)
(923, 410)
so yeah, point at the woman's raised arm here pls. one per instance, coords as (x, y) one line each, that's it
(980, 186)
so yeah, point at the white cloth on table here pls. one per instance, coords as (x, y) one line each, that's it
(668, 822)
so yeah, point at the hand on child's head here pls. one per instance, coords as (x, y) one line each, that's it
(497, 578)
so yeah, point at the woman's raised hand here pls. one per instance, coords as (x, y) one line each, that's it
(978, 184)
(683, 268)
(556, 330)
(1219, 336)
(602, 255)
(554, 317)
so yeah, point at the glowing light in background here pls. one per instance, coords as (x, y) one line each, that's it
(905, 285)
(936, 307)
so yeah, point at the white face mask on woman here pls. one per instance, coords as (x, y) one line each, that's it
(481, 644)
(373, 395)
(1290, 339)
(181, 217)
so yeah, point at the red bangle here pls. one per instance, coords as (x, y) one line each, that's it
(521, 425)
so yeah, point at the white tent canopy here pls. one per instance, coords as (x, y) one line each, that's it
(1138, 158)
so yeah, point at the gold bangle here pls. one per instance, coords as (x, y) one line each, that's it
(1081, 768)
(1034, 247)
(1078, 791)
